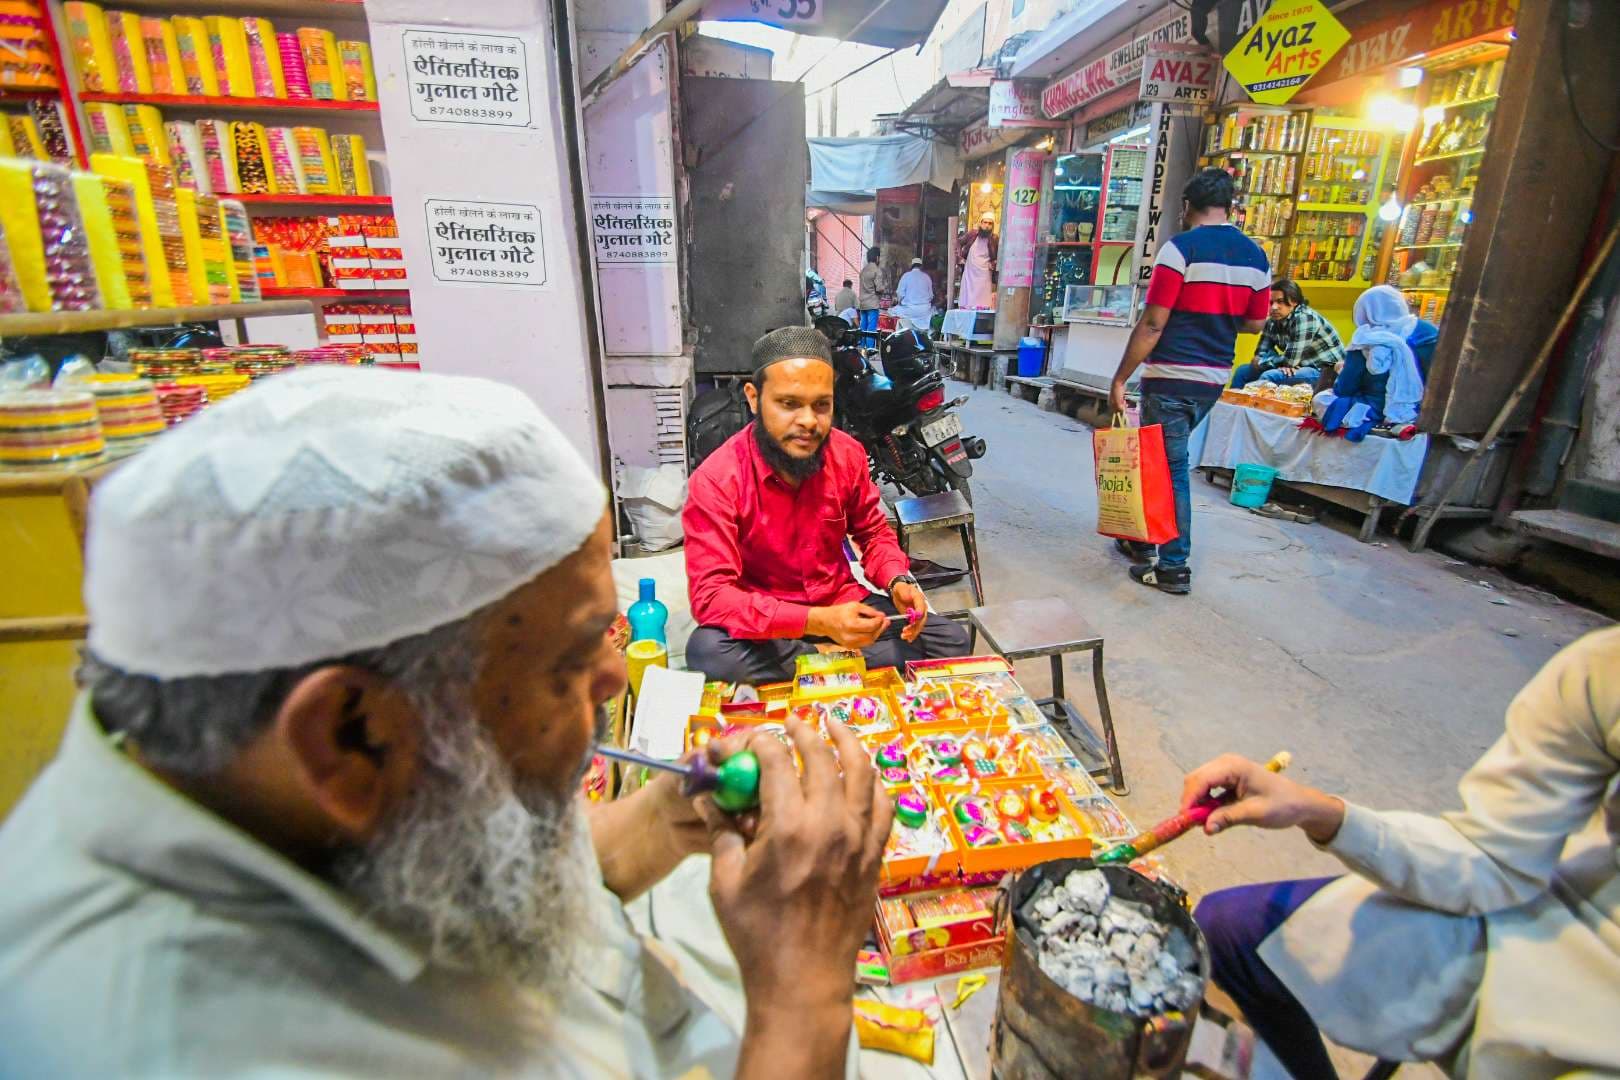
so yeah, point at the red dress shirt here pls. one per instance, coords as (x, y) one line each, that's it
(761, 553)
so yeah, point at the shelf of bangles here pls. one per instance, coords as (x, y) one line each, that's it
(982, 784)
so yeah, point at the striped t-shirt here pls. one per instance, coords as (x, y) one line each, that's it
(1212, 278)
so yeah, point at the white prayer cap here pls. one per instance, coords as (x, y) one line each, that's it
(326, 511)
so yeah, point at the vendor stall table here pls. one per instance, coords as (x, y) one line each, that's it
(970, 363)
(1048, 627)
(1364, 476)
(972, 327)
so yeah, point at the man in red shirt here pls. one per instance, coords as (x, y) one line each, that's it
(766, 516)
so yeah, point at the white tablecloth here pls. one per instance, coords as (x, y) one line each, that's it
(959, 323)
(1383, 467)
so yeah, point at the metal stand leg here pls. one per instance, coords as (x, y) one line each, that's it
(1118, 786)
(970, 548)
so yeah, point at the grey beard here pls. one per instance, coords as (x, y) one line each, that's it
(785, 463)
(489, 873)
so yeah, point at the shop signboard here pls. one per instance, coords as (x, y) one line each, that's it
(1150, 225)
(788, 14)
(1118, 66)
(458, 78)
(1291, 42)
(979, 139)
(633, 230)
(486, 243)
(1413, 33)
(1115, 121)
(1179, 76)
(1021, 217)
(1016, 103)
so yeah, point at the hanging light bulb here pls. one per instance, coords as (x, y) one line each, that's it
(1391, 210)
(984, 188)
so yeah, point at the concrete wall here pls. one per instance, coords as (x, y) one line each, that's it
(1597, 451)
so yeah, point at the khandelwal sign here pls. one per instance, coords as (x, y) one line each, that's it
(1118, 65)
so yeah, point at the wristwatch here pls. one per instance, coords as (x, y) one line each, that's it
(898, 578)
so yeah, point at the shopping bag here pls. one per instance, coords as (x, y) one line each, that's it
(1134, 500)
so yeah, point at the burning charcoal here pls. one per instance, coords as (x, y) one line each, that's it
(1047, 906)
(1150, 984)
(1118, 918)
(1087, 890)
(1113, 1000)
(1121, 945)
(1146, 952)
(1111, 973)
(1168, 964)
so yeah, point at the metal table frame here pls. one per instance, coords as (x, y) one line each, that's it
(1058, 707)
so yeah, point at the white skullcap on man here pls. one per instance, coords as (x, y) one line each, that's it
(323, 512)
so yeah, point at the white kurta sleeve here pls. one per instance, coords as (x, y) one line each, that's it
(1540, 783)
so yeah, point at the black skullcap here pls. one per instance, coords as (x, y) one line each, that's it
(789, 342)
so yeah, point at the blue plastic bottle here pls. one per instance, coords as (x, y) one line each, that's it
(648, 615)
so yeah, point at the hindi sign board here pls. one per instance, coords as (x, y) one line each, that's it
(633, 230)
(460, 78)
(1291, 42)
(1179, 76)
(1016, 103)
(486, 243)
(1021, 217)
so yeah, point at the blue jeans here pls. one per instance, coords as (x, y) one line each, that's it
(1247, 373)
(869, 325)
(1235, 922)
(1178, 416)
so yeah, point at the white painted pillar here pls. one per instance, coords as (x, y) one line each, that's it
(528, 324)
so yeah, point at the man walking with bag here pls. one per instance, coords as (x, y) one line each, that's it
(1209, 284)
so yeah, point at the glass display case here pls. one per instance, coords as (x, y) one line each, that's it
(1100, 303)
(1112, 259)
(1071, 192)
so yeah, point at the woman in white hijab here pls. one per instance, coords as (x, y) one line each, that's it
(1379, 382)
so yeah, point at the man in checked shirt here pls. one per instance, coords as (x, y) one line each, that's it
(1297, 346)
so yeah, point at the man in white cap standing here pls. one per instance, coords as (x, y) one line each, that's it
(914, 297)
(317, 812)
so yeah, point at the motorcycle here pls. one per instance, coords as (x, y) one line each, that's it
(913, 436)
(815, 295)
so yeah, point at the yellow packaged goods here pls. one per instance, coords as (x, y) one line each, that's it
(264, 59)
(102, 237)
(321, 64)
(23, 136)
(92, 48)
(196, 56)
(108, 131)
(252, 158)
(45, 235)
(48, 427)
(219, 155)
(359, 78)
(349, 158)
(285, 174)
(129, 52)
(146, 133)
(124, 215)
(907, 1032)
(186, 152)
(315, 161)
(163, 56)
(204, 244)
(138, 175)
(239, 241)
(227, 42)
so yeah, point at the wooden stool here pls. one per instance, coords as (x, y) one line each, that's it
(1048, 627)
(946, 510)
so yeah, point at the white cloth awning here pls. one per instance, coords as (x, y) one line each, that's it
(846, 174)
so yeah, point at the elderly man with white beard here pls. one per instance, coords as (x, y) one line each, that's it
(317, 813)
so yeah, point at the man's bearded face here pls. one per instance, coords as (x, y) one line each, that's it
(489, 871)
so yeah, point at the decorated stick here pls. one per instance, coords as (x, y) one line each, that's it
(735, 784)
(1177, 824)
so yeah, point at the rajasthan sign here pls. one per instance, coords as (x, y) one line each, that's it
(1290, 43)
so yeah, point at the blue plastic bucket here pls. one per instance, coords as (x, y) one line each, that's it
(1251, 485)
(1031, 358)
